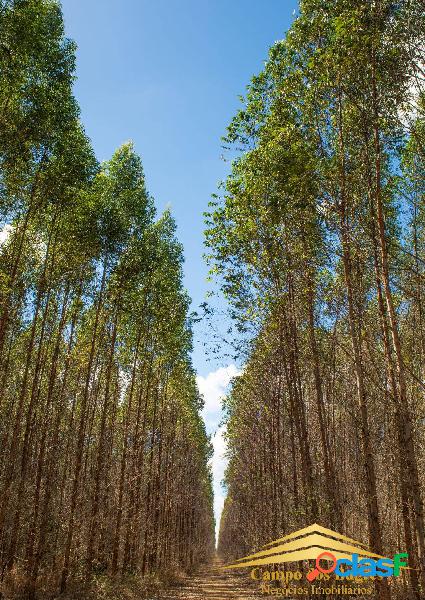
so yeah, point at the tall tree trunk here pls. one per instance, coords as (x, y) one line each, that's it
(99, 473)
(332, 487)
(404, 410)
(81, 432)
(374, 520)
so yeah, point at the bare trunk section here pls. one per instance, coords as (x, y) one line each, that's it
(374, 521)
(81, 432)
(332, 485)
(404, 410)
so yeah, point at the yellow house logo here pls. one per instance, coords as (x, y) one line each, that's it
(344, 556)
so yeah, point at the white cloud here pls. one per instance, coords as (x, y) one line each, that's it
(213, 387)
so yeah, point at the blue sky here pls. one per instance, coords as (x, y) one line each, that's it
(168, 74)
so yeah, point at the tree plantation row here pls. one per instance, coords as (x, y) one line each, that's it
(318, 242)
(103, 453)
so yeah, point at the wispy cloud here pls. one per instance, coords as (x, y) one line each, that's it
(213, 387)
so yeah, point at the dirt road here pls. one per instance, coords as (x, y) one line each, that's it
(212, 583)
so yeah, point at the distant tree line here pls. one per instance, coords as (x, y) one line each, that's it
(318, 242)
(103, 453)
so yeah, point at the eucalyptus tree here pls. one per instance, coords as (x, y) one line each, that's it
(308, 241)
(37, 111)
(98, 399)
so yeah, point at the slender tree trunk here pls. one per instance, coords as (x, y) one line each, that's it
(94, 521)
(404, 410)
(330, 472)
(34, 565)
(123, 468)
(80, 442)
(374, 521)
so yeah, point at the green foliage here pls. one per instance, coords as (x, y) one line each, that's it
(104, 455)
(318, 239)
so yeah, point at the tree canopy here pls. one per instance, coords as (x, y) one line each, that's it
(104, 457)
(317, 243)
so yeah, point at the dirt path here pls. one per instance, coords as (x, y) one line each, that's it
(211, 583)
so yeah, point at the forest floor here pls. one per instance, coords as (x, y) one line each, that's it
(213, 583)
